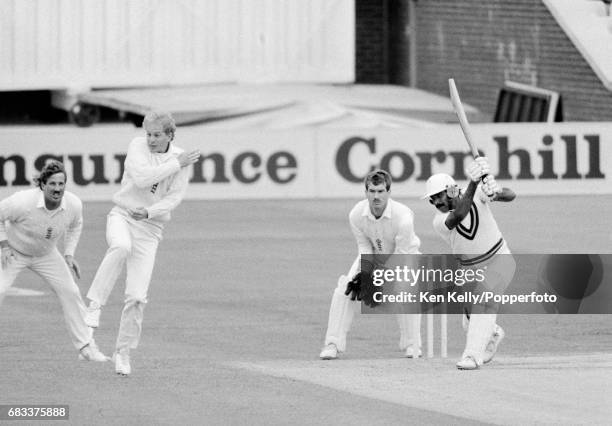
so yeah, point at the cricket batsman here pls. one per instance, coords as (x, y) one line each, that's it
(465, 221)
(380, 225)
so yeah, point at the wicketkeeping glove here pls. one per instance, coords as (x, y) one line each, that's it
(361, 286)
(353, 287)
(367, 292)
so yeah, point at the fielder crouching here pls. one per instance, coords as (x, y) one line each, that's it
(466, 223)
(31, 224)
(381, 226)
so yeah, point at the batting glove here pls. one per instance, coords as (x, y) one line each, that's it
(490, 186)
(484, 198)
(484, 164)
(7, 256)
(474, 171)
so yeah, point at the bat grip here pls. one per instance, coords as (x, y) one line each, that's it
(477, 155)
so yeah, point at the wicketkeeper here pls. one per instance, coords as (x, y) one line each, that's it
(380, 226)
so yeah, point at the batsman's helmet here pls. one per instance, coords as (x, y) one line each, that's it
(438, 183)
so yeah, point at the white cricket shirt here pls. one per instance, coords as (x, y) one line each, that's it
(154, 181)
(33, 230)
(392, 233)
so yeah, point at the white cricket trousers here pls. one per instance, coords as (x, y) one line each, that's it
(133, 243)
(53, 269)
(342, 312)
(482, 324)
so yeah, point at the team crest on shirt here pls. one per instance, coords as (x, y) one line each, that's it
(464, 231)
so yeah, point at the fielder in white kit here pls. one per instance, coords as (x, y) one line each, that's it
(153, 184)
(466, 223)
(32, 222)
(380, 226)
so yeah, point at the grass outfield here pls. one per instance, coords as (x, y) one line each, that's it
(238, 311)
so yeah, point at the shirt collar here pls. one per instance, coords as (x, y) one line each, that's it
(171, 151)
(41, 202)
(386, 213)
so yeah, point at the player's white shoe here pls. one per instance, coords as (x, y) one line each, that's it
(467, 363)
(92, 316)
(122, 362)
(493, 344)
(412, 353)
(90, 352)
(329, 352)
